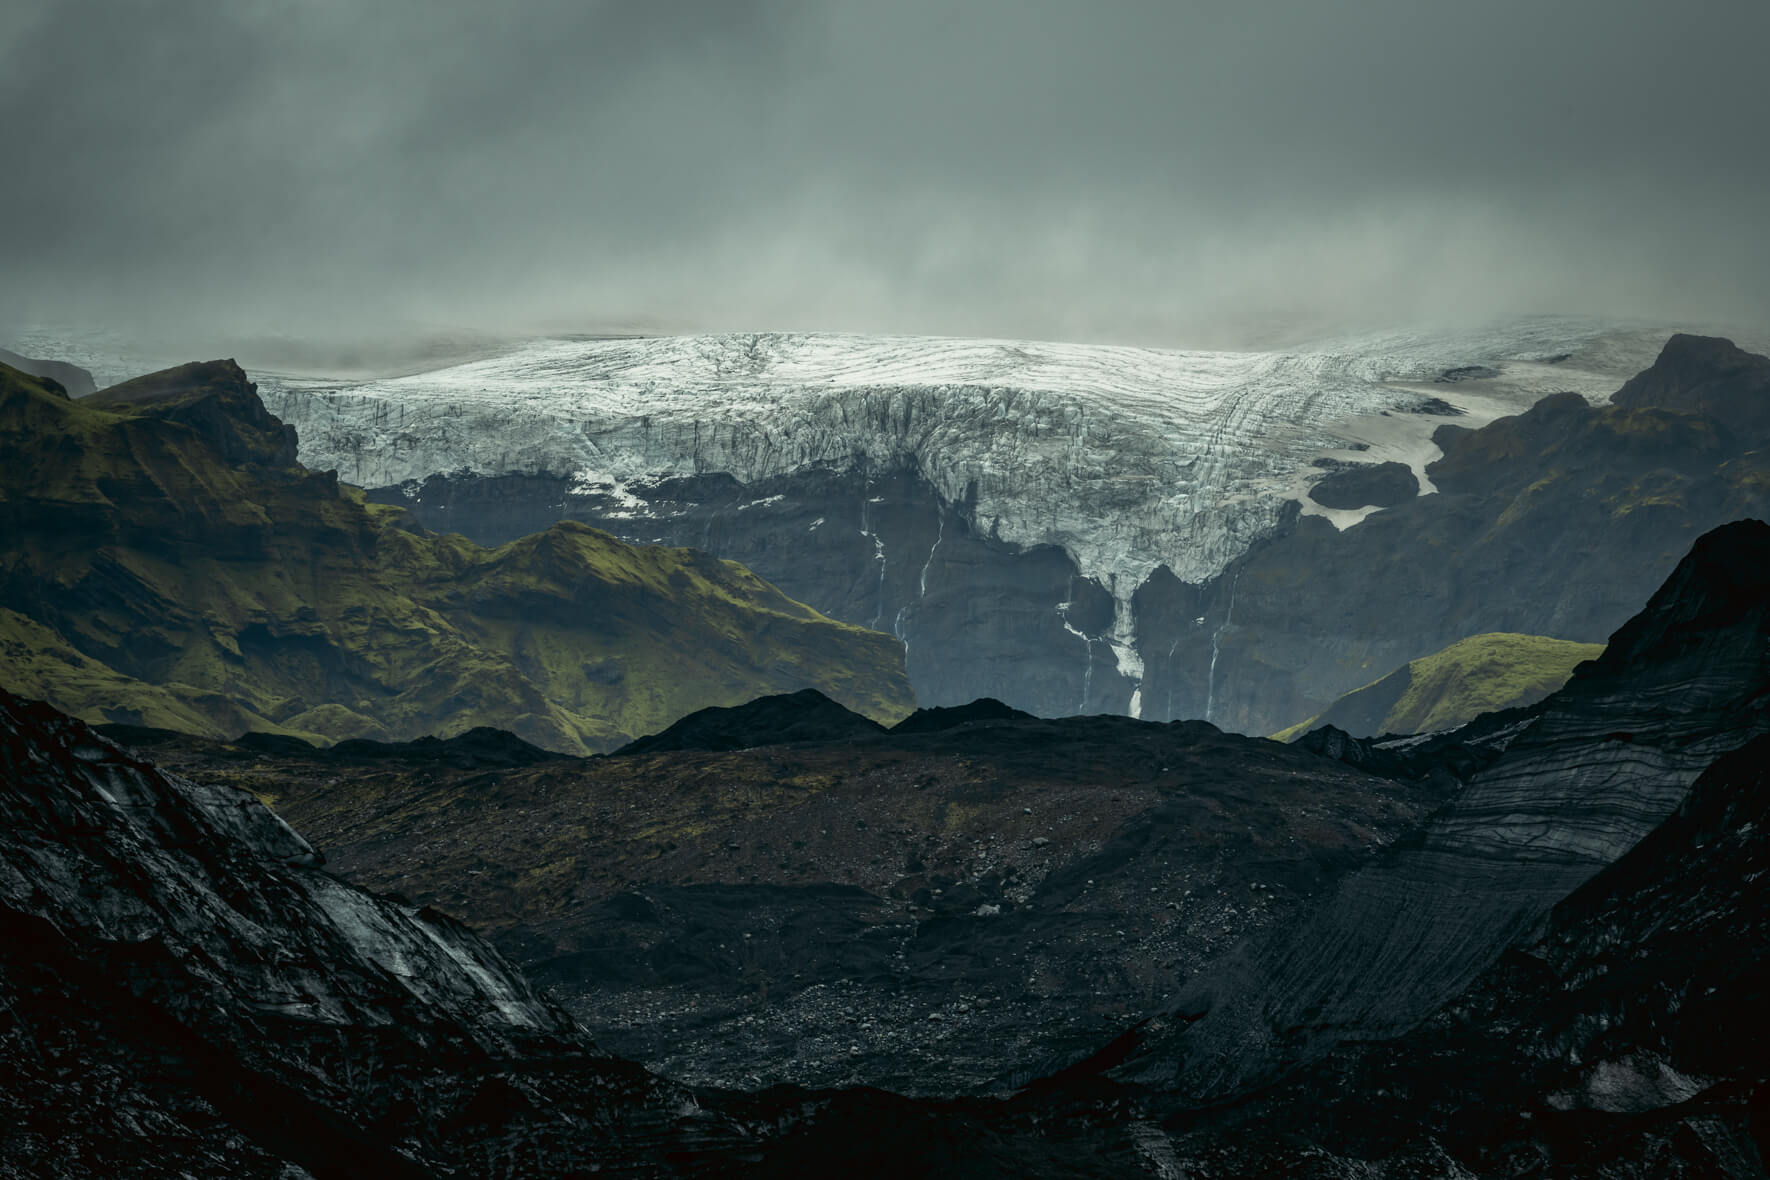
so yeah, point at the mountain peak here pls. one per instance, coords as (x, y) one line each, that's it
(218, 401)
(1705, 375)
(179, 383)
(806, 715)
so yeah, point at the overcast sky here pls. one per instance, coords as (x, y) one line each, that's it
(1157, 172)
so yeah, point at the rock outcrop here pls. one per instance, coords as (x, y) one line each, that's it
(185, 992)
(804, 716)
(1709, 376)
(1559, 974)
(1557, 522)
(1381, 484)
(1620, 1038)
(1601, 763)
(938, 717)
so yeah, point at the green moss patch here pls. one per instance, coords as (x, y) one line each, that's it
(1473, 676)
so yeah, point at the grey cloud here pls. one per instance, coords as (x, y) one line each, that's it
(1150, 171)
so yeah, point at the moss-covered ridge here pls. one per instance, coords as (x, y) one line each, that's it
(1480, 674)
(166, 562)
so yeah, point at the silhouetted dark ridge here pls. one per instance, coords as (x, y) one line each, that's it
(193, 379)
(145, 737)
(804, 716)
(1722, 585)
(1603, 761)
(270, 743)
(1705, 375)
(244, 1010)
(481, 746)
(951, 716)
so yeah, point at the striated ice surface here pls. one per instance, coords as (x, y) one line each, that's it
(1127, 458)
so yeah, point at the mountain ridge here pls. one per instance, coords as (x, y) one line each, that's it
(1079, 531)
(1600, 763)
(169, 564)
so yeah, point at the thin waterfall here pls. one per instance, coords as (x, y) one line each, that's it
(1216, 642)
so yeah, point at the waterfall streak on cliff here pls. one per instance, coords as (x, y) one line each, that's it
(1216, 639)
(1087, 656)
(939, 536)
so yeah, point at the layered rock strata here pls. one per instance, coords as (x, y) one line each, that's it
(1598, 766)
(186, 991)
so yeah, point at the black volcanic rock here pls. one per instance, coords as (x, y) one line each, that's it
(161, 954)
(804, 716)
(1466, 373)
(939, 911)
(481, 747)
(1599, 765)
(1561, 975)
(184, 994)
(1621, 1038)
(952, 716)
(1382, 484)
(71, 379)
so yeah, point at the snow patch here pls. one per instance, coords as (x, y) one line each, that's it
(621, 503)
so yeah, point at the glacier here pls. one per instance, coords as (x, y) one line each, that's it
(1126, 458)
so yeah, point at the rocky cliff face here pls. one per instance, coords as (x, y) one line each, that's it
(1599, 765)
(1618, 1039)
(1556, 522)
(1034, 522)
(1608, 1031)
(186, 992)
(167, 562)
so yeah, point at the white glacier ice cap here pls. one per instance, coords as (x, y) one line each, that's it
(1127, 458)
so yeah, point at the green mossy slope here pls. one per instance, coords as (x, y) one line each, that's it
(1473, 676)
(166, 562)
